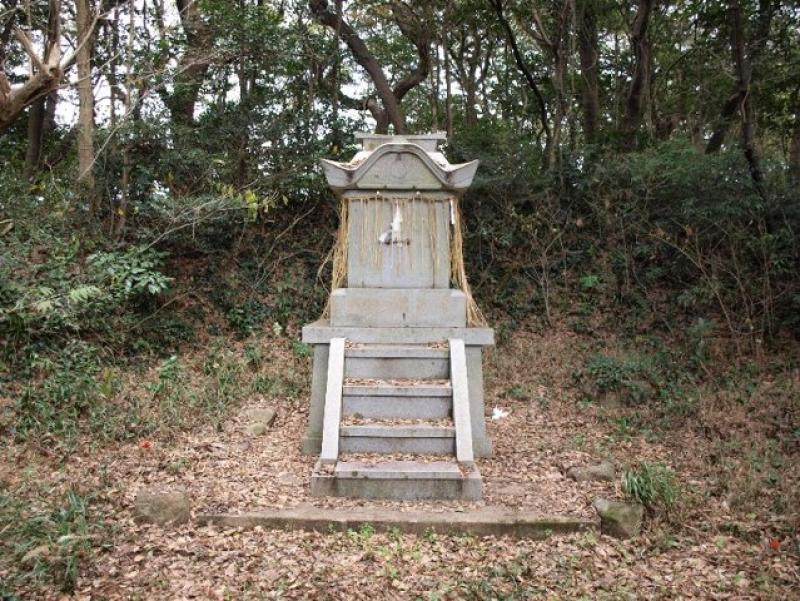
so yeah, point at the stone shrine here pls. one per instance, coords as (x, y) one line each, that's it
(397, 356)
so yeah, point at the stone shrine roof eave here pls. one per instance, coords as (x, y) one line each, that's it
(399, 166)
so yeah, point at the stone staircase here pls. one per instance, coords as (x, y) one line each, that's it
(384, 400)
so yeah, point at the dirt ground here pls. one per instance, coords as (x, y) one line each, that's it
(715, 545)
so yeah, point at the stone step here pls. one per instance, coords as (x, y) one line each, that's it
(405, 401)
(398, 480)
(423, 439)
(386, 361)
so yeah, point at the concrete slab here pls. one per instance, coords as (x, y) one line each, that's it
(483, 521)
(398, 307)
(433, 440)
(401, 488)
(415, 431)
(394, 470)
(396, 406)
(399, 390)
(312, 441)
(397, 368)
(414, 401)
(461, 414)
(333, 401)
(406, 351)
(321, 332)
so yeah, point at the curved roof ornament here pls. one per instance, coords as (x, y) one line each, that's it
(409, 162)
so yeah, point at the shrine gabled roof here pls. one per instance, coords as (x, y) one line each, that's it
(399, 164)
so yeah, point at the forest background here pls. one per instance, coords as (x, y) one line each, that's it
(162, 211)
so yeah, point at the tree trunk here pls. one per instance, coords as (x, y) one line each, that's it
(523, 67)
(36, 116)
(47, 68)
(744, 77)
(794, 144)
(744, 61)
(193, 64)
(86, 101)
(448, 79)
(368, 62)
(588, 50)
(470, 100)
(640, 78)
(437, 74)
(723, 123)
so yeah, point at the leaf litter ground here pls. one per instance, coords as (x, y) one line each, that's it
(710, 551)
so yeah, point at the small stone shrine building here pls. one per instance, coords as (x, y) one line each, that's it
(397, 356)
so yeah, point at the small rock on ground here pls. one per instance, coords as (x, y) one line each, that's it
(602, 472)
(257, 429)
(618, 519)
(264, 416)
(162, 506)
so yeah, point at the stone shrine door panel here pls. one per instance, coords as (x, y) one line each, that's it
(398, 240)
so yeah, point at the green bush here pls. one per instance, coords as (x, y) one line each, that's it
(63, 389)
(653, 485)
(42, 545)
(636, 377)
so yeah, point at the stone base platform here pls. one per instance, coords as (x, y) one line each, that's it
(398, 480)
(483, 521)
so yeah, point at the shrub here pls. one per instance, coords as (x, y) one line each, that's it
(41, 545)
(652, 485)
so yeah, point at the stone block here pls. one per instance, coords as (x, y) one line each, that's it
(618, 519)
(388, 362)
(419, 257)
(401, 480)
(433, 440)
(265, 415)
(321, 332)
(398, 307)
(404, 402)
(162, 506)
(602, 472)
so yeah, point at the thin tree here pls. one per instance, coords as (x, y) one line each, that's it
(640, 78)
(83, 11)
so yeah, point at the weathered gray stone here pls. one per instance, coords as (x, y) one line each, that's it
(393, 470)
(162, 506)
(393, 390)
(333, 401)
(481, 444)
(257, 429)
(264, 415)
(461, 413)
(618, 519)
(423, 439)
(398, 480)
(398, 307)
(419, 259)
(482, 521)
(399, 163)
(397, 361)
(602, 472)
(312, 441)
(321, 332)
(392, 401)
(391, 368)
